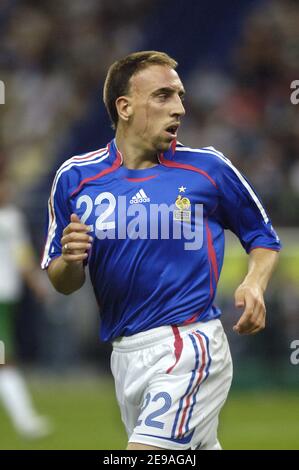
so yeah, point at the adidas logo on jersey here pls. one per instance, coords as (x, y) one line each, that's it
(139, 197)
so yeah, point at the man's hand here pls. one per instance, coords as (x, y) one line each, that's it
(67, 272)
(75, 241)
(250, 297)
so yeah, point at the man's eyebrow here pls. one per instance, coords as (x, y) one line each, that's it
(168, 90)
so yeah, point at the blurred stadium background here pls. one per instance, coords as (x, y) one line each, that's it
(237, 60)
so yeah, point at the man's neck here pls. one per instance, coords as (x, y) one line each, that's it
(134, 156)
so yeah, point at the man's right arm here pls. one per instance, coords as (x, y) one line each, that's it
(67, 272)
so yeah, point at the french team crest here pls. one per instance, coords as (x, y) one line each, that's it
(184, 206)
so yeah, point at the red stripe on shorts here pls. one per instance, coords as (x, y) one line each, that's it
(178, 347)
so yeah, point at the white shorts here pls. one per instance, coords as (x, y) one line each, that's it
(171, 383)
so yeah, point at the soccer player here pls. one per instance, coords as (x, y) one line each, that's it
(18, 266)
(129, 211)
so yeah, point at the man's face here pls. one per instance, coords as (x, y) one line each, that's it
(156, 99)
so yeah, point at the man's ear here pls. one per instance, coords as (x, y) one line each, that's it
(124, 107)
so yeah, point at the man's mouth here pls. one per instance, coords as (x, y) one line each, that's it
(172, 130)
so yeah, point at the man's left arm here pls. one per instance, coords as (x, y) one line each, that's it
(250, 294)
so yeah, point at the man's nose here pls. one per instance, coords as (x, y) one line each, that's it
(178, 108)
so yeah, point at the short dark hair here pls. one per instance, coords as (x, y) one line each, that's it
(119, 74)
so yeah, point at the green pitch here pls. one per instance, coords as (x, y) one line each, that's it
(85, 416)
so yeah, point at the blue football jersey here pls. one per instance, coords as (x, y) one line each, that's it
(158, 233)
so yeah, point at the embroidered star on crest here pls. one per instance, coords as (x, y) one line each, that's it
(182, 189)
